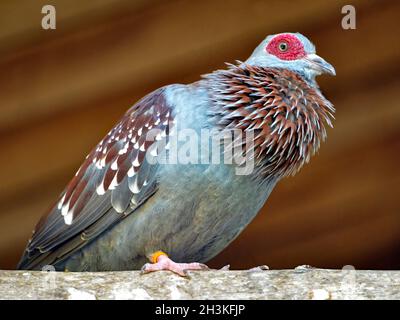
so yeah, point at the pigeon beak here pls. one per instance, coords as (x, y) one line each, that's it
(320, 65)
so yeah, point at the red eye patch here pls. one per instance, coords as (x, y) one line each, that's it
(293, 47)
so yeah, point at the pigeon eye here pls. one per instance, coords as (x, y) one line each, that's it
(283, 46)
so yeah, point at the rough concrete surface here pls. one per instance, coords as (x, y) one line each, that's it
(300, 283)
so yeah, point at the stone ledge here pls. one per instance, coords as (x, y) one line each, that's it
(270, 284)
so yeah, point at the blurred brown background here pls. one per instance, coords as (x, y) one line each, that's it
(62, 90)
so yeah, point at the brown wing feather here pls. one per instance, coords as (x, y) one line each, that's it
(112, 182)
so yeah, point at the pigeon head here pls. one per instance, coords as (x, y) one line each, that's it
(291, 51)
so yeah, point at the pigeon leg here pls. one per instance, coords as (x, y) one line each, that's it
(160, 261)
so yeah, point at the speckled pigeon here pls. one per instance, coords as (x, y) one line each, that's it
(125, 206)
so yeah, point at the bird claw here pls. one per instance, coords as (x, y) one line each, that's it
(225, 268)
(258, 268)
(144, 268)
(303, 268)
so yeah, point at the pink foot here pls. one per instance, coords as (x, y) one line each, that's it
(165, 263)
